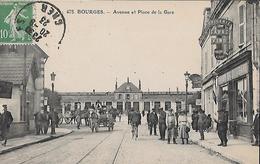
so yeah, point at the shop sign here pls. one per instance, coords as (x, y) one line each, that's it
(220, 54)
(220, 31)
(6, 89)
(196, 80)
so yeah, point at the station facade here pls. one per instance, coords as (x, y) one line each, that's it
(125, 97)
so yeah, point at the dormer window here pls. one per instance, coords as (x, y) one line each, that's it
(128, 88)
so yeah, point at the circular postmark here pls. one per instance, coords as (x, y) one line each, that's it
(41, 20)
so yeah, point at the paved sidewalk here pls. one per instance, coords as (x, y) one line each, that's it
(20, 142)
(237, 151)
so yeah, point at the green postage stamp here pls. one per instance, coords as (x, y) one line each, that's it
(13, 22)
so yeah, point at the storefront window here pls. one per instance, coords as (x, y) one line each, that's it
(241, 100)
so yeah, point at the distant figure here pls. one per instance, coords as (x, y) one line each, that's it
(135, 122)
(143, 113)
(194, 122)
(255, 128)
(6, 121)
(130, 113)
(147, 119)
(153, 119)
(208, 122)
(162, 124)
(201, 123)
(171, 128)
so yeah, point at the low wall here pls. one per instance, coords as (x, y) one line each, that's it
(18, 129)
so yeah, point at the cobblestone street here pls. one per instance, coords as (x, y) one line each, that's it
(83, 146)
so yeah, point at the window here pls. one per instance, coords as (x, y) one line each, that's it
(167, 105)
(242, 24)
(119, 96)
(241, 100)
(127, 96)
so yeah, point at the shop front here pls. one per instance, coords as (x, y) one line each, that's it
(236, 93)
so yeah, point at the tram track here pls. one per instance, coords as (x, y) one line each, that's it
(97, 145)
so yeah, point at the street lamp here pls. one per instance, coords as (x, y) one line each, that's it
(187, 77)
(52, 104)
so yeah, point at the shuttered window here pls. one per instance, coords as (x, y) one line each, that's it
(242, 17)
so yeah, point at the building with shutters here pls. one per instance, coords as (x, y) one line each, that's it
(128, 96)
(230, 61)
(23, 66)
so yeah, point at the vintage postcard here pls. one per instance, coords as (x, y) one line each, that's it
(129, 82)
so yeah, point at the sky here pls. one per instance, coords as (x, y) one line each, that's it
(98, 49)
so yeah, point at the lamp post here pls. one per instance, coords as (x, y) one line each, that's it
(52, 103)
(187, 77)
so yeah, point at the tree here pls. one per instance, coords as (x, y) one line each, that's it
(53, 99)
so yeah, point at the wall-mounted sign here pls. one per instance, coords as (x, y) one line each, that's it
(220, 54)
(196, 80)
(6, 89)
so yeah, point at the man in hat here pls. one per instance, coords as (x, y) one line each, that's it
(222, 127)
(171, 129)
(6, 120)
(153, 119)
(162, 124)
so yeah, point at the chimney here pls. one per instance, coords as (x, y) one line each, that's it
(116, 85)
(94, 91)
(140, 85)
(127, 79)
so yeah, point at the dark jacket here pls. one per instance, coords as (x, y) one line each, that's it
(153, 118)
(136, 118)
(162, 117)
(6, 120)
(202, 121)
(256, 124)
(222, 123)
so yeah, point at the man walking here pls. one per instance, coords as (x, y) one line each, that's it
(135, 122)
(153, 119)
(172, 130)
(222, 127)
(202, 123)
(162, 124)
(6, 120)
(256, 128)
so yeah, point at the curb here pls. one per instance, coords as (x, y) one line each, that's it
(229, 159)
(32, 143)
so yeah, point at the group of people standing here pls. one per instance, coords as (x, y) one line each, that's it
(169, 122)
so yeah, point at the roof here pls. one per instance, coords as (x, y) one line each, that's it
(12, 67)
(127, 87)
(86, 96)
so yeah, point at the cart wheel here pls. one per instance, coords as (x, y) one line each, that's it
(60, 121)
(67, 120)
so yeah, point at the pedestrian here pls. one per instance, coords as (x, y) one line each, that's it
(6, 121)
(222, 127)
(162, 123)
(184, 127)
(201, 123)
(153, 119)
(208, 122)
(135, 122)
(147, 119)
(171, 129)
(45, 121)
(39, 118)
(130, 113)
(143, 113)
(255, 128)
(195, 118)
